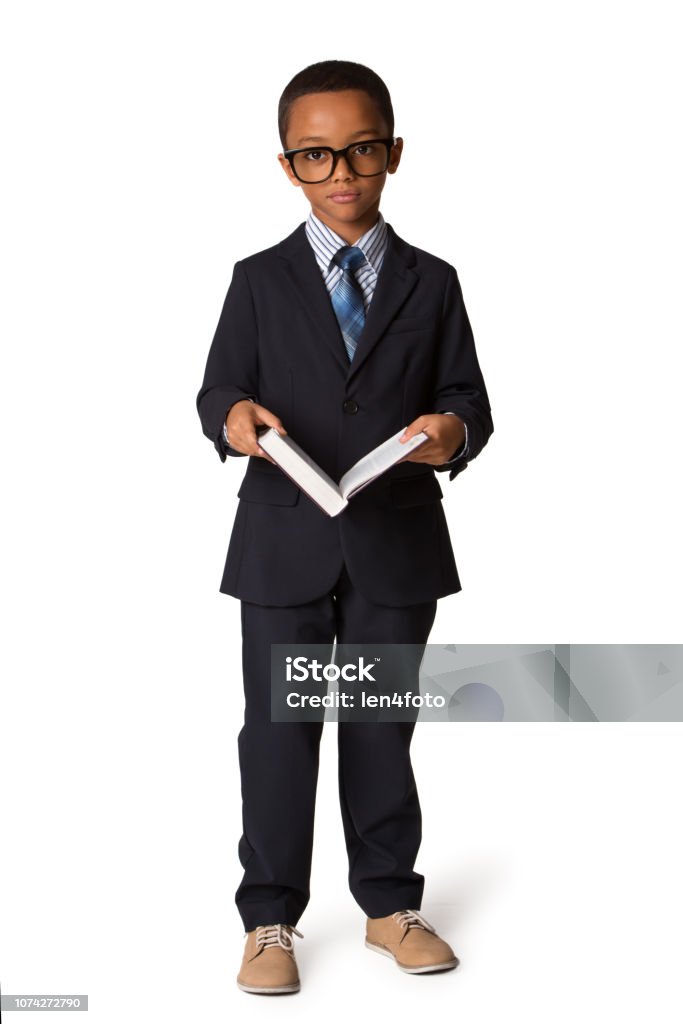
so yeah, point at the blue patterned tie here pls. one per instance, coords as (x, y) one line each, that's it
(347, 297)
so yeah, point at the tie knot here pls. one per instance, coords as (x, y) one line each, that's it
(350, 257)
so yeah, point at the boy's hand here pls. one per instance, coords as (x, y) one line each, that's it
(446, 434)
(241, 423)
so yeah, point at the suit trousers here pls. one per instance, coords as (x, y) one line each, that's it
(279, 768)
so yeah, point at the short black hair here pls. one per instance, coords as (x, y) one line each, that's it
(333, 76)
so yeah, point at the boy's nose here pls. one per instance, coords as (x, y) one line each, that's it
(343, 168)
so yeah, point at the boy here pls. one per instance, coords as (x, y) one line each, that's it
(339, 335)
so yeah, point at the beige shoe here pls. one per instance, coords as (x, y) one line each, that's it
(411, 941)
(268, 965)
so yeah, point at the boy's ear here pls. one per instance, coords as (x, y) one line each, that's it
(284, 163)
(395, 156)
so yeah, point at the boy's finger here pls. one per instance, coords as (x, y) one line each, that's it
(270, 420)
(413, 428)
(252, 448)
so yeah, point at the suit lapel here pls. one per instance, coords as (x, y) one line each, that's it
(395, 282)
(309, 288)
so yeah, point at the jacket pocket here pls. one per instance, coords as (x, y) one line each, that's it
(415, 490)
(269, 489)
(410, 323)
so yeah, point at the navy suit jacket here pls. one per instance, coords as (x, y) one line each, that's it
(279, 343)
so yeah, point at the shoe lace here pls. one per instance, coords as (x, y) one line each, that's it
(276, 935)
(413, 919)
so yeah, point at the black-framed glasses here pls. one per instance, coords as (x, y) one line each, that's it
(317, 163)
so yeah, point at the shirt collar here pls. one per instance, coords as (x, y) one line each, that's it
(327, 242)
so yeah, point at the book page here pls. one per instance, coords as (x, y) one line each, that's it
(377, 462)
(303, 471)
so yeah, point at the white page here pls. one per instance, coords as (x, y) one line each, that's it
(377, 462)
(303, 471)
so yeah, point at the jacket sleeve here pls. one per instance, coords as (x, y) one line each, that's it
(459, 385)
(231, 372)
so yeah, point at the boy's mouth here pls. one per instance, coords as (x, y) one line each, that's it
(344, 197)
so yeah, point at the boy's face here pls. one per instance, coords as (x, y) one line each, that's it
(336, 119)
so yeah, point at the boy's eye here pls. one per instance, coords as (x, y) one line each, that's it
(364, 146)
(314, 153)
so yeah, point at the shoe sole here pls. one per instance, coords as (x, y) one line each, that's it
(426, 969)
(276, 990)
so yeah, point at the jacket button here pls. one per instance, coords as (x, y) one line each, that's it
(350, 406)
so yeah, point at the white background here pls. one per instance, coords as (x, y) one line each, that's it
(551, 853)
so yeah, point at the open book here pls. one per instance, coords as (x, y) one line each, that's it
(333, 498)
